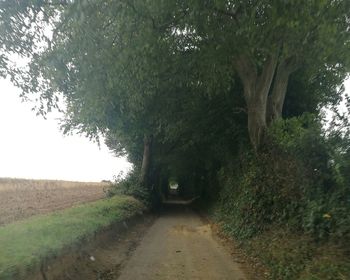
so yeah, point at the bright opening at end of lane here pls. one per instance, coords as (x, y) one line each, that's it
(34, 148)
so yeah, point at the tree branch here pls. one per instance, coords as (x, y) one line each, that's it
(248, 73)
(267, 74)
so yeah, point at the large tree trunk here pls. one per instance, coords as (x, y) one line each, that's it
(256, 122)
(256, 90)
(146, 160)
(277, 97)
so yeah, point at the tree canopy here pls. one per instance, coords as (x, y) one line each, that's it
(224, 97)
(194, 81)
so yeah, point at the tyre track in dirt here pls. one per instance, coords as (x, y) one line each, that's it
(176, 245)
(180, 245)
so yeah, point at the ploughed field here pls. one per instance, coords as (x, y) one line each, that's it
(20, 198)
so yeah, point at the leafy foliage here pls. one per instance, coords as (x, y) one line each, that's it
(298, 185)
(180, 73)
(129, 186)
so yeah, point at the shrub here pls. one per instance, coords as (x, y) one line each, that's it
(290, 203)
(131, 186)
(325, 162)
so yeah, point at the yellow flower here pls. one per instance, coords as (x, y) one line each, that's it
(326, 216)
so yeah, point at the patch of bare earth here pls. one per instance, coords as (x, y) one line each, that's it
(20, 199)
(252, 267)
(176, 245)
(102, 258)
(179, 245)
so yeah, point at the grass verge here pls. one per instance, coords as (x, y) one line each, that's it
(297, 256)
(292, 256)
(26, 244)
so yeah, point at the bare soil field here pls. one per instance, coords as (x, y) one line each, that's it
(20, 198)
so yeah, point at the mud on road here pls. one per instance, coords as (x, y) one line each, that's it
(180, 245)
(101, 259)
(176, 245)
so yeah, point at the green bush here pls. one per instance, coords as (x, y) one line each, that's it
(299, 183)
(131, 186)
(325, 163)
(260, 193)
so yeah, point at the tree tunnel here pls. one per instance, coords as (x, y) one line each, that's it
(183, 182)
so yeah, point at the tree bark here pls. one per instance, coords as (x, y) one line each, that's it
(277, 97)
(146, 160)
(256, 123)
(256, 90)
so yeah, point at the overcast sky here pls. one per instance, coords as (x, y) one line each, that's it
(32, 147)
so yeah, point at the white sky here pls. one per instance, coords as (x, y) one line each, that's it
(32, 147)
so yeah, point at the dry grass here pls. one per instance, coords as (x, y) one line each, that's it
(20, 198)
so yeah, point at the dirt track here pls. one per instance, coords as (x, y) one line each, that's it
(20, 199)
(179, 245)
